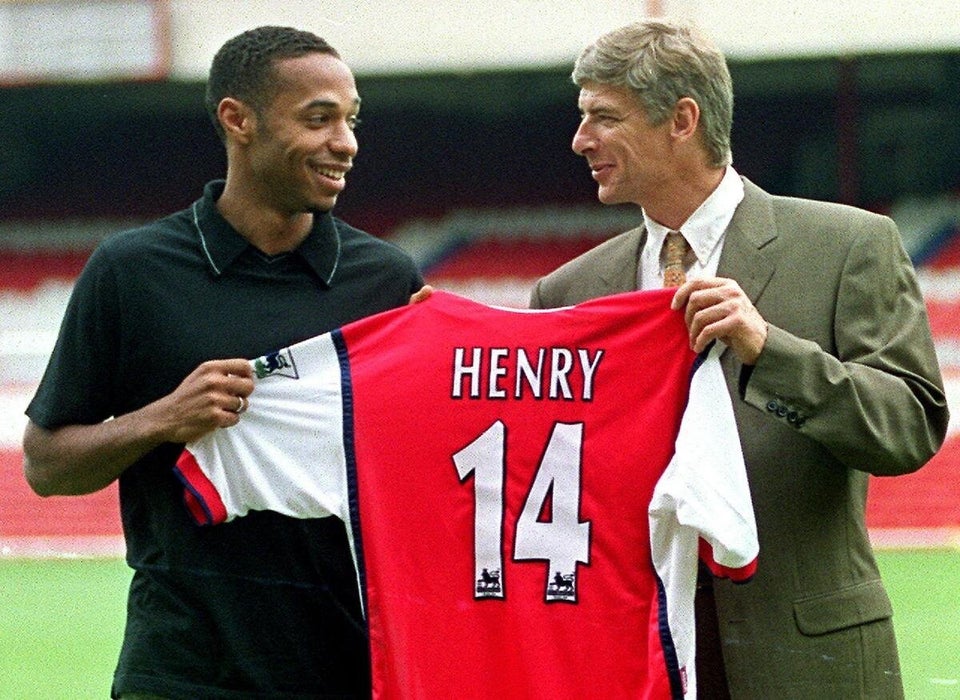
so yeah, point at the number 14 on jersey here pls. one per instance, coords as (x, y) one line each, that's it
(563, 541)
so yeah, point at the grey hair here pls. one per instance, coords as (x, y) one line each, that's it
(662, 62)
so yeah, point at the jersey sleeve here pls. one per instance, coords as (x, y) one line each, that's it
(286, 454)
(705, 488)
(702, 505)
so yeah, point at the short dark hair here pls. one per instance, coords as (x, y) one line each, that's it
(243, 67)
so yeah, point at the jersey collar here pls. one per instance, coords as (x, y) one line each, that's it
(222, 245)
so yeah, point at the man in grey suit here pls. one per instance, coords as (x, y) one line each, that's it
(828, 358)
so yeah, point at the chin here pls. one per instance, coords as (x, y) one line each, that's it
(608, 198)
(323, 205)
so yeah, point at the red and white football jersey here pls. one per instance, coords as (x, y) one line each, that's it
(526, 492)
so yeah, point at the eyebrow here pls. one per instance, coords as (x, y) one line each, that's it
(330, 104)
(598, 109)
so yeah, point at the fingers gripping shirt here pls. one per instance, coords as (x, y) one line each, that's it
(526, 491)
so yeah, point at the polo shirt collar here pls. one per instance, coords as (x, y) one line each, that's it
(321, 249)
(222, 245)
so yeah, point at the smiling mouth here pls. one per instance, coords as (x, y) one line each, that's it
(330, 173)
(598, 169)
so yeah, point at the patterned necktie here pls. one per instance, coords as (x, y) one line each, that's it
(675, 250)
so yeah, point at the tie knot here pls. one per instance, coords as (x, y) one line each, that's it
(675, 249)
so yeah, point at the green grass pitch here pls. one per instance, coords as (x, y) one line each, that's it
(61, 623)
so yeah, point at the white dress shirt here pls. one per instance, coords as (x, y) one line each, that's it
(704, 230)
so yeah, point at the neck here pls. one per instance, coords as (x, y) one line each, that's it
(675, 202)
(270, 230)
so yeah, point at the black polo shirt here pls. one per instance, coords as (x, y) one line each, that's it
(265, 606)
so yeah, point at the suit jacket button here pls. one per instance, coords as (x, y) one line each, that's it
(782, 411)
(792, 417)
(772, 405)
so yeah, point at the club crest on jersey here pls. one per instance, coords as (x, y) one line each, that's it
(276, 364)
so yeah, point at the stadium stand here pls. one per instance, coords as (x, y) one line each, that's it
(490, 256)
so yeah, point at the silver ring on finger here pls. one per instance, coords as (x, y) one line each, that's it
(241, 405)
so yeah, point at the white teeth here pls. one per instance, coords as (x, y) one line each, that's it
(332, 174)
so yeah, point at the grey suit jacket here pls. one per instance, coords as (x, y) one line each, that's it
(847, 385)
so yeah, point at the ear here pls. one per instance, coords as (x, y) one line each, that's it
(236, 118)
(686, 118)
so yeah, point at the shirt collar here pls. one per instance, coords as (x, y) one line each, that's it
(321, 249)
(704, 228)
(222, 244)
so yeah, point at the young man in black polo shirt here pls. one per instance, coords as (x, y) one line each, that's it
(265, 606)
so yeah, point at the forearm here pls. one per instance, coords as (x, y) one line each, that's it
(80, 459)
(883, 419)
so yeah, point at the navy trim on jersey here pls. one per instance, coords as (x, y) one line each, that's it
(350, 457)
(663, 622)
(701, 358)
(198, 499)
(666, 642)
(697, 364)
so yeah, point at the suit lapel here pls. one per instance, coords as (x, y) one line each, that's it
(621, 273)
(747, 250)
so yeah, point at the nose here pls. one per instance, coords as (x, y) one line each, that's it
(344, 141)
(582, 140)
